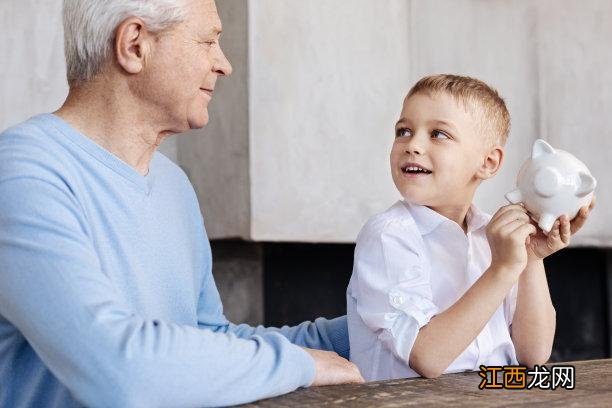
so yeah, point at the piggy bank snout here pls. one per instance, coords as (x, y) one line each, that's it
(547, 181)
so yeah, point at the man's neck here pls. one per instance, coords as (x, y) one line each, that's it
(115, 122)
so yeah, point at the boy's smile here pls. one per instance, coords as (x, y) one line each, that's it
(438, 151)
(412, 169)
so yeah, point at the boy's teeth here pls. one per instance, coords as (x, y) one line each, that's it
(416, 169)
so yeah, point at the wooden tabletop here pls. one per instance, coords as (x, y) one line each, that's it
(592, 388)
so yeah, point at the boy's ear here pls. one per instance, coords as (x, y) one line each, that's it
(491, 163)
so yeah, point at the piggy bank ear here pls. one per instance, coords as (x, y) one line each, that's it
(587, 184)
(540, 147)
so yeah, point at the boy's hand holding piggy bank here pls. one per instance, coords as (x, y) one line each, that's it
(554, 187)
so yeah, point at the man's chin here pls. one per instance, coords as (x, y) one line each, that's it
(198, 122)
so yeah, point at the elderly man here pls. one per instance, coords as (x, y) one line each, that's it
(106, 291)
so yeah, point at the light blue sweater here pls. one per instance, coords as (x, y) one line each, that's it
(106, 291)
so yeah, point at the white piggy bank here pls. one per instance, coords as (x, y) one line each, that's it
(551, 183)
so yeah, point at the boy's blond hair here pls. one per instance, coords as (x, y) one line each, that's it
(483, 100)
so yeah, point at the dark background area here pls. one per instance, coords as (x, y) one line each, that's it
(304, 281)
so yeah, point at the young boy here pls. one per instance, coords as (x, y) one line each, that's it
(438, 286)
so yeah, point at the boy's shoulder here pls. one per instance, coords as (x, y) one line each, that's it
(390, 237)
(395, 218)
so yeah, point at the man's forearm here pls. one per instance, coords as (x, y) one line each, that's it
(448, 334)
(322, 334)
(533, 325)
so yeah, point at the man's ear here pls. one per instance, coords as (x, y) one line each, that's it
(132, 44)
(491, 163)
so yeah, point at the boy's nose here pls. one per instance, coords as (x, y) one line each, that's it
(414, 146)
(413, 151)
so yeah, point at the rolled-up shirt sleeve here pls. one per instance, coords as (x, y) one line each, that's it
(510, 305)
(391, 284)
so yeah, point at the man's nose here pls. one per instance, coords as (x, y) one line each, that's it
(222, 65)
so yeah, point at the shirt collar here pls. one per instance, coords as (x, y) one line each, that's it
(428, 220)
(476, 219)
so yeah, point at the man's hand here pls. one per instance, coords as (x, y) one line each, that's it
(332, 369)
(540, 246)
(507, 232)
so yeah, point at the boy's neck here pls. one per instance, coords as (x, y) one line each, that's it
(456, 213)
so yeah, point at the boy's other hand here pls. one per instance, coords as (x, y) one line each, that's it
(332, 369)
(540, 246)
(508, 233)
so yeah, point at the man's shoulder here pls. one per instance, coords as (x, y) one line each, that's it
(172, 173)
(31, 132)
(166, 165)
(28, 149)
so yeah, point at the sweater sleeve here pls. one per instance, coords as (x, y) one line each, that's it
(53, 290)
(322, 334)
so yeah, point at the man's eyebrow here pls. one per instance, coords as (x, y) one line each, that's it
(401, 121)
(216, 30)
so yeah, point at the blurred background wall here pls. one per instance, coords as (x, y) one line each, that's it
(295, 158)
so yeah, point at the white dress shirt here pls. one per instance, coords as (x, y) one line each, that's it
(410, 264)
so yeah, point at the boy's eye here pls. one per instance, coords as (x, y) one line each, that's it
(403, 132)
(438, 134)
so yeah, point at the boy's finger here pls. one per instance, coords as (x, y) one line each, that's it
(506, 224)
(585, 211)
(554, 235)
(579, 220)
(507, 208)
(592, 203)
(522, 232)
(510, 227)
(510, 215)
(566, 229)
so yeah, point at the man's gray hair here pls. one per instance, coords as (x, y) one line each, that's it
(89, 29)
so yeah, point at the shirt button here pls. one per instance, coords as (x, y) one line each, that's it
(397, 300)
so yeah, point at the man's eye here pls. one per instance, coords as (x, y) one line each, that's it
(438, 134)
(403, 132)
